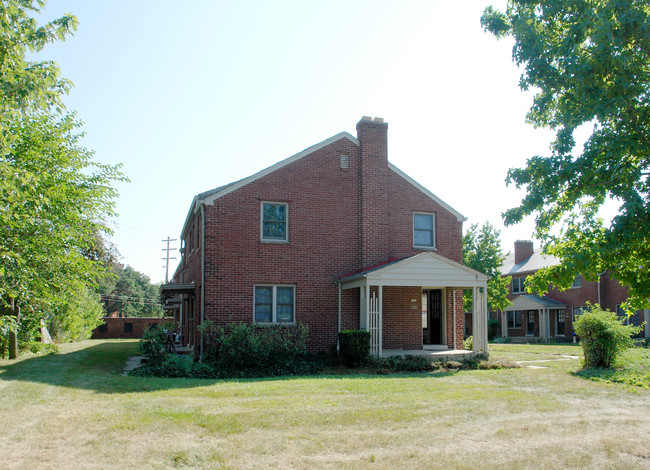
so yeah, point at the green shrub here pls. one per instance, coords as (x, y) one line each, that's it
(152, 345)
(36, 347)
(502, 339)
(354, 347)
(603, 336)
(492, 326)
(468, 344)
(244, 346)
(405, 363)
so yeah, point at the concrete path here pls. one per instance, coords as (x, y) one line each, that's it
(132, 363)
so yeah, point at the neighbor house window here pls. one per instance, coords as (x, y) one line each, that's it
(519, 285)
(576, 311)
(424, 231)
(128, 328)
(514, 319)
(274, 222)
(274, 304)
(560, 323)
(577, 282)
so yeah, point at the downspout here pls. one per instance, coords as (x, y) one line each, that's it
(202, 275)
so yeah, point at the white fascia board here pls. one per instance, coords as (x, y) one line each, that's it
(460, 217)
(261, 174)
(189, 216)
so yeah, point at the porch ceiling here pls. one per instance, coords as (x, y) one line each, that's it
(424, 269)
(534, 302)
(171, 289)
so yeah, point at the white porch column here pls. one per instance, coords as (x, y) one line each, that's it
(542, 323)
(380, 320)
(504, 324)
(548, 322)
(646, 318)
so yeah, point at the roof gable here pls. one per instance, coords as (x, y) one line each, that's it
(220, 192)
(424, 269)
(533, 302)
(460, 217)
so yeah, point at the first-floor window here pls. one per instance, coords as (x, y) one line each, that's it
(560, 326)
(514, 319)
(274, 304)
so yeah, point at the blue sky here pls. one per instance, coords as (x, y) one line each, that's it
(192, 95)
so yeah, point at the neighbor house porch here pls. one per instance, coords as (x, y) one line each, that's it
(416, 303)
(534, 317)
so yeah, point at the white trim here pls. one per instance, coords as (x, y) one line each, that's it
(433, 231)
(460, 217)
(284, 240)
(274, 304)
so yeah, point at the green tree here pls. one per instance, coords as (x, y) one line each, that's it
(27, 86)
(129, 293)
(482, 252)
(53, 197)
(589, 64)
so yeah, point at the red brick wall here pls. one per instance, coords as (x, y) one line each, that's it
(115, 327)
(460, 318)
(402, 318)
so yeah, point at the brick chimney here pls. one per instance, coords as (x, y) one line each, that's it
(523, 250)
(373, 157)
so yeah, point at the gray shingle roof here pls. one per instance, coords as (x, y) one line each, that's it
(530, 264)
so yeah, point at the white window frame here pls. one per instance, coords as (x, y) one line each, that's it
(274, 304)
(520, 283)
(286, 230)
(557, 321)
(576, 312)
(577, 282)
(433, 231)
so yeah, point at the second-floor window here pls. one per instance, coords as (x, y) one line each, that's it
(275, 222)
(519, 285)
(577, 282)
(424, 230)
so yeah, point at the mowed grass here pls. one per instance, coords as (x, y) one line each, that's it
(74, 409)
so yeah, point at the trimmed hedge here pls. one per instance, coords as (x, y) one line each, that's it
(354, 347)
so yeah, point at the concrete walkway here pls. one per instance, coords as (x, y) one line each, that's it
(132, 363)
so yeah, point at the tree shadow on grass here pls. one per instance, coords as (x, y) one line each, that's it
(98, 367)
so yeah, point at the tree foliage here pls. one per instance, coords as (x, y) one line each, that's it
(482, 252)
(129, 293)
(53, 196)
(589, 64)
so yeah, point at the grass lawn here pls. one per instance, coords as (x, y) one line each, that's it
(74, 409)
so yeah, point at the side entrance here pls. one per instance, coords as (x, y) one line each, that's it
(432, 316)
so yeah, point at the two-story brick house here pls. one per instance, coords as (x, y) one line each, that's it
(552, 315)
(334, 237)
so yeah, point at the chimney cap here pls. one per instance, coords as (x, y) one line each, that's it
(378, 119)
(366, 118)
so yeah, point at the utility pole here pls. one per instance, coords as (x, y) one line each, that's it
(167, 257)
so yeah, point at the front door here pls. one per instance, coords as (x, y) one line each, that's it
(530, 331)
(432, 316)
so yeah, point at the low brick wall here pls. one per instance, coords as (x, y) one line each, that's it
(127, 327)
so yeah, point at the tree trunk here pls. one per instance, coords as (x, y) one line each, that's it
(13, 336)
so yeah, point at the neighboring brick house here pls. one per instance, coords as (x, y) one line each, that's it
(552, 315)
(334, 237)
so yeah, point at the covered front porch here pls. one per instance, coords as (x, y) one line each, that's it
(534, 317)
(416, 304)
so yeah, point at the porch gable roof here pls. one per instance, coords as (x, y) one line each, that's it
(534, 302)
(424, 269)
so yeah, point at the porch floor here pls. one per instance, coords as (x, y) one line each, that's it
(435, 355)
